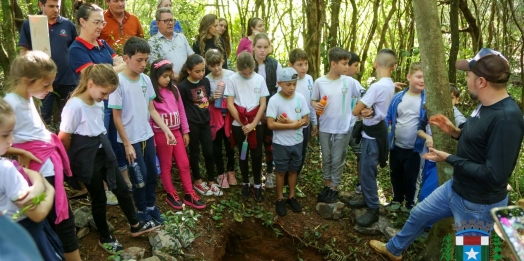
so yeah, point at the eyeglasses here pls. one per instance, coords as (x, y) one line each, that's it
(168, 21)
(99, 23)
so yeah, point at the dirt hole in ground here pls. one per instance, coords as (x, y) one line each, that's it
(250, 240)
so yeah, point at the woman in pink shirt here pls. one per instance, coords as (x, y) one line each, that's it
(254, 26)
(168, 104)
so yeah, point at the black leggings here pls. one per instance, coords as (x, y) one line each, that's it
(98, 195)
(256, 154)
(220, 138)
(200, 134)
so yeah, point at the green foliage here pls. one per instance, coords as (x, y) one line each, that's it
(115, 257)
(35, 202)
(446, 248)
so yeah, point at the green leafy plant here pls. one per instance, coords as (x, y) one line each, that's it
(446, 248)
(35, 202)
(115, 256)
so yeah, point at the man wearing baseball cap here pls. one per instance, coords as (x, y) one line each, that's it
(488, 147)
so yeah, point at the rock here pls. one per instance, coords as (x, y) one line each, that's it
(383, 226)
(330, 210)
(153, 258)
(159, 239)
(390, 232)
(374, 229)
(82, 216)
(136, 253)
(82, 232)
(163, 256)
(346, 196)
(92, 223)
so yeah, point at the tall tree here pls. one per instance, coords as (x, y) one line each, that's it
(8, 46)
(334, 27)
(521, 30)
(371, 34)
(385, 26)
(315, 19)
(437, 101)
(474, 29)
(453, 51)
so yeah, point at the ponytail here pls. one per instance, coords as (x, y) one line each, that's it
(101, 74)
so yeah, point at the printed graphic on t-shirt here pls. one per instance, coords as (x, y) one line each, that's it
(200, 97)
(298, 109)
(170, 119)
(63, 32)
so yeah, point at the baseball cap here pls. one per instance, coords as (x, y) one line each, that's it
(489, 64)
(288, 74)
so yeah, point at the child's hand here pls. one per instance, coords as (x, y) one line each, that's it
(436, 155)
(217, 95)
(314, 130)
(429, 142)
(170, 138)
(130, 153)
(282, 118)
(399, 85)
(318, 107)
(442, 122)
(297, 124)
(25, 159)
(248, 128)
(367, 113)
(186, 139)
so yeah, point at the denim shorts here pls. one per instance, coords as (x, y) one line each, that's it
(287, 158)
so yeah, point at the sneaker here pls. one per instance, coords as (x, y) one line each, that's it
(111, 198)
(257, 193)
(299, 193)
(191, 199)
(203, 189)
(110, 245)
(294, 204)
(368, 218)
(143, 216)
(143, 227)
(392, 206)
(156, 215)
(359, 202)
(380, 248)
(323, 194)
(270, 180)
(216, 190)
(222, 181)
(174, 201)
(231, 178)
(245, 190)
(332, 196)
(280, 207)
(358, 189)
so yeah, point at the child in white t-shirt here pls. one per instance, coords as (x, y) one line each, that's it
(132, 105)
(335, 120)
(375, 134)
(246, 93)
(287, 113)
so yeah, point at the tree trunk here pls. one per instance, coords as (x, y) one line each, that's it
(371, 34)
(521, 63)
(385, 27)
(354, 21)
(474, 30)
(8, 47)
(333, 28)
(437, 101)
(315, 20)
(453, 52)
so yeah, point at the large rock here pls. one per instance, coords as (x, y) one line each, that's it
(82, 216)
(390, 232)
(153, 258)
(82, 232)
(346, 196)
(383, 226)
(330, 210)
(159, 240)
(163, 256)
(92, 223)
(132, 253)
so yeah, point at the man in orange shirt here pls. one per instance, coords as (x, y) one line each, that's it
(120, 24)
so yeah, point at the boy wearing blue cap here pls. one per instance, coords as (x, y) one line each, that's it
(287, 112)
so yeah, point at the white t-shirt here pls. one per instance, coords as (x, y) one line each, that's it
(11, 183)
(262, 70)
(82, 119)
(133, 98)
(214, 82)
(305, 87)
(379, 97)
(342, 95)
(295, 108)
(408, 117)
(247, 92)
(29, 126)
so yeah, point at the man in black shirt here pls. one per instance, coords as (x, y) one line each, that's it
(488, 147)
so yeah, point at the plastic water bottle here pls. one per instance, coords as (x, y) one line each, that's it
(138, 175)
(220, 88)
(323, 102)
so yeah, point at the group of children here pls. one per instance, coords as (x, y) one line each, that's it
(158, 116)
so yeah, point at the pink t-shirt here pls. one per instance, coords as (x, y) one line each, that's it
(171, 111)
(244, 44)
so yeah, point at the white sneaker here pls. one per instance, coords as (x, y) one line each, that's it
(270, 180)
(203, 189)
(111, 198)
(216, 190)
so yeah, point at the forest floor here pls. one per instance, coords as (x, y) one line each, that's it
(231, 228)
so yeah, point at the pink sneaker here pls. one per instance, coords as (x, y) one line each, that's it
(203, 189)
(222, 181)
(231, 178)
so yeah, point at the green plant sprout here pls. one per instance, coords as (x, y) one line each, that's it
(35, 202)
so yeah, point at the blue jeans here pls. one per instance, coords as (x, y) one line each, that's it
(369, 171)
(146, 159)
(442, 203)
(111, 135)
